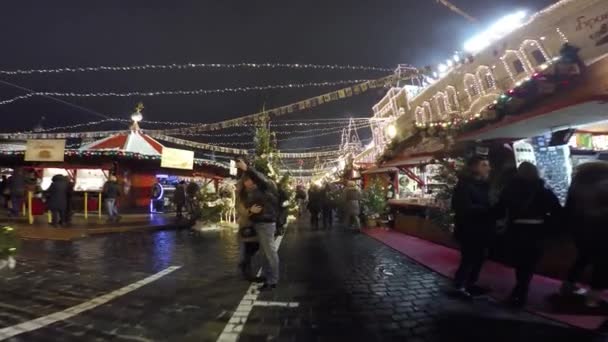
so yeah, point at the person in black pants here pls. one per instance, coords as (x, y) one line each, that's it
(57, 199)
(327, 205)
(314, 206)
(531, 209)
(586, 210)
(474, 221)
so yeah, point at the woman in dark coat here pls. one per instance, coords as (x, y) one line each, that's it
(58, 199)
(587, 213)
(530, 208)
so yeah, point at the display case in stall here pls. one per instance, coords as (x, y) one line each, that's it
(163, 190)
(162, 194)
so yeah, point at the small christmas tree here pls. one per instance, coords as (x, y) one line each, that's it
(447, 175)
(207, 206)
(374, 199)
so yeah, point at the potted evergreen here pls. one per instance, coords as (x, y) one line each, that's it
(374, 202)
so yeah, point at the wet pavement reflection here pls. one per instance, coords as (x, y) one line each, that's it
(347, 286)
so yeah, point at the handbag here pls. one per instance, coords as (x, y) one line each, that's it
(247, 232)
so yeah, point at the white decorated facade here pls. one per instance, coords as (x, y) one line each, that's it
(465, 88)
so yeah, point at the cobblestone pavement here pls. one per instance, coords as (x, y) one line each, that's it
(348, 287)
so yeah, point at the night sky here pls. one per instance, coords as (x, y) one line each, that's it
(47, 34)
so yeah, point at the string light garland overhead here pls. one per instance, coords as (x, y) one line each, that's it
(326, 130)
(186, 66)
(286, 123)
(457, 10)
(183, 92)
(312, 102)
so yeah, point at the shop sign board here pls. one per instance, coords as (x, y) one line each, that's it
(45, 150)
(174, 158)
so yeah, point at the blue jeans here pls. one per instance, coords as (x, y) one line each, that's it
(270, 266)
(17, 203)
(111, 207)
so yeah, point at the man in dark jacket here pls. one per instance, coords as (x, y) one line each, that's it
(263, 207)
(179, 198)
(587, 213)
(17, 185)
(314, 205)
(530, 209)
(58, 200)
(4, 191)
(111, 192)
(327, 207)
(474, 222)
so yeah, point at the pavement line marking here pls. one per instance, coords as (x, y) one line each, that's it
(237, 321)
(282, 304)
(41, 322)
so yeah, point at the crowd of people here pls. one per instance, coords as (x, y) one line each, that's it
(328, 202)
(58, 196)
(532, 213)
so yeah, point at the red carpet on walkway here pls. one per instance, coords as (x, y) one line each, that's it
(498, 277)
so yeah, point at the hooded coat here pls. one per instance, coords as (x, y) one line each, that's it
(58, 193)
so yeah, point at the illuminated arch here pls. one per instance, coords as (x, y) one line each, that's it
(419, 116)
(428, 112)
(485, 78)
(515, 64)
(534, 53)
(442, 105)
(452, 96)
(471, 86)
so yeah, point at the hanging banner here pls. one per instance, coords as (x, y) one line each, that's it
(45, 150)
(298, 106)
(197, 145)
(173, 158)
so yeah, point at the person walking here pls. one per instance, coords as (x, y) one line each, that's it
(301, 198)
(327, 207)
(248, 240)
(314, 205)
(58, 200)
(69, 196)
(587, 217)
(263, 205)
(179, 199)
(111, 192)
(16, 186)
(474, 221)
(529, 208)
(352, 210)
(4, 191)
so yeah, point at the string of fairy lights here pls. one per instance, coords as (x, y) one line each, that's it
(328, 132)
(286, 123)
(292, 129)
(186, 66)
(183, 92)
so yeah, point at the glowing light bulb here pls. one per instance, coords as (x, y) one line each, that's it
(391, 130)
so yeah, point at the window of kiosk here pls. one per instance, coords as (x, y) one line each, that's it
(90, 180)
(48, 174)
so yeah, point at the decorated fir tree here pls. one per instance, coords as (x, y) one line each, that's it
(447, 175)
(374, 199)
